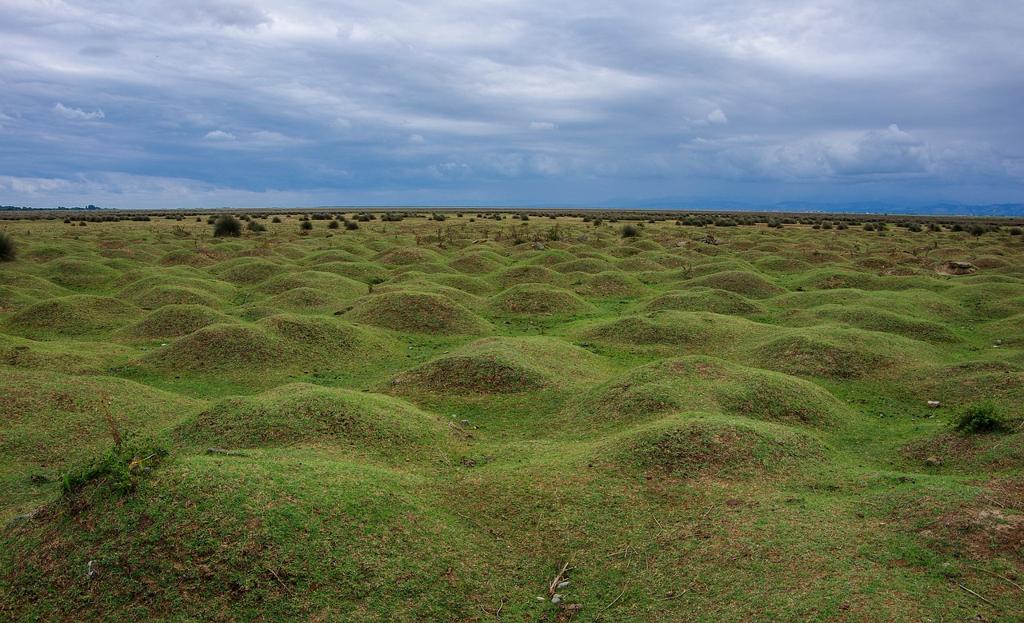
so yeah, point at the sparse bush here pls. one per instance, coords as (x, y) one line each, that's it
(629, 231)
(8, 250)
(980, 418)
(914, 227)
(437, 216)
(977, 230)
(276, 219)
(1016, 231)
(227, 225)
(306, 225)
(255, 226)
(122, 467)
(351, 225)
(333, 225)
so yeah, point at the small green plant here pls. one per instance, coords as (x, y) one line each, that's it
(276, 219)
(256, 226)
(121, 467)
(306, 225)
(980, 418)
(227, 225)
(629, 231)
(8, 250)
(350, 225)
(333, 225)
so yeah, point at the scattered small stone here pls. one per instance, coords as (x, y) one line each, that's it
(563, 584)
(539, 246)
(464, 422)
(934, 404)
(933, 461)
(90, 570)
(556, 599)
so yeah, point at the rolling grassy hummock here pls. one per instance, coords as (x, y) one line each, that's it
(414, 420)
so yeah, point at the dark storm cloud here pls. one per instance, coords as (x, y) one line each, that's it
(251, 102)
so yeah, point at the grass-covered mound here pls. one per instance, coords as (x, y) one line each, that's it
(300, 300)
(417, 312)
(535, 298)
(421, 283)
(957, 385)
(29, 286)
(712, 385)
(746, 283)
(478, 262)
(80, 314)
(704, 299)
(407, 256)
(250, 537)
(187, 257)
(275, 343)
(158, 296)
(836, 353)
(873, 319)
(304, 413)
(339, 286)
(1007, 331)
(528, 274)
(79, 273)
(175, 320)
(696, 445)
(612, 284)
(588, 265)
(989, 300)
(365, 272)
(503, 365)
(52, 421)
(246, 270)
(84, 358)
(669, 330)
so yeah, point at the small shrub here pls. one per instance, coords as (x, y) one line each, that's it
(629, 231)
(256, 226)
(333, 225)
(350, 225)
(276, 219)
(8, 250)
(1016, 231)
(122, 467)
(437, 216)
(306, 225)
(227, 225)
(980, 418)
(977, 230)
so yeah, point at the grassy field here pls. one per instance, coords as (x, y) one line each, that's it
(436, 418)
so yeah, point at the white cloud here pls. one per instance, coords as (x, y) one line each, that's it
(219, 135)
(77, 114)
(717, 116)
(542, 125)
(417, 139)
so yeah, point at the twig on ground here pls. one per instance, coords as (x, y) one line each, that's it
(1001, 577)
(558, 579)
(980, 596)
(612, 603)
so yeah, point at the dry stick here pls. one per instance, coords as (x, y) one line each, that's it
(1001, 577)
(613, 602)
(558, 578)
(497, 613)
(979, 596)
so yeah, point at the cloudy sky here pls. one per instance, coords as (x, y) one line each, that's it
(192, 103)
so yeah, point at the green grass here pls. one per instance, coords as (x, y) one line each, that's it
(421, 421)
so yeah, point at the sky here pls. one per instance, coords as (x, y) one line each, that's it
(246, 103)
